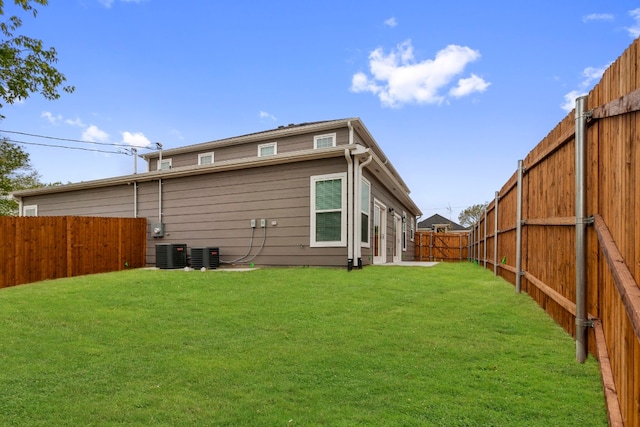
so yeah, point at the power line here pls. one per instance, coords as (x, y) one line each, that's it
(95, 150)
(113, 144)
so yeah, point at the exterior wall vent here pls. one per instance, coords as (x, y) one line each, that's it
(205, 257)
(171, 255)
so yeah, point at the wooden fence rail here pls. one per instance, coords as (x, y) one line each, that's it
(40, 248)
(537, 251)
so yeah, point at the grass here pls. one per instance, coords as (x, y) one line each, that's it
(395, 346)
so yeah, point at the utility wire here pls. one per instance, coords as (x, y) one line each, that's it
(95, 150)
(67, 139)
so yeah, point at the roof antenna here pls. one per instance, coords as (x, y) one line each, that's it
(449, 209)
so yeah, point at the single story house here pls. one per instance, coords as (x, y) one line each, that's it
(440, 224)
(321, 194)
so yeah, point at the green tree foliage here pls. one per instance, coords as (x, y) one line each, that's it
(16, 173)
(471, 215)
(26, 66)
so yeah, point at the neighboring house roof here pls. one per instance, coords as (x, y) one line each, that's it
(436, 219)
(381, 167)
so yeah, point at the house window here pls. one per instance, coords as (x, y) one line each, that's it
(324, 141)
(164, 165)
(31, 210)
(328, 210)
(413, 229)
(205, 158)
(365, 201)
(404, 231)
(269, 149)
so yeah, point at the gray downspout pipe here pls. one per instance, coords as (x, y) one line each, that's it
(581, 300)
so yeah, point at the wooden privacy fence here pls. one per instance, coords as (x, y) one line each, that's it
(40, 248)
(433, 246)
(565, 228)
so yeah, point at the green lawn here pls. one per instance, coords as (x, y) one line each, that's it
(385, 346)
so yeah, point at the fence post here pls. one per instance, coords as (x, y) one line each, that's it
(519, 228)
(495, 235)
(581, 303)
(431, 246)
(485, 238)
(478, 253)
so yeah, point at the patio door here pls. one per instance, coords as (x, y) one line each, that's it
(397, 238)
(379, 233)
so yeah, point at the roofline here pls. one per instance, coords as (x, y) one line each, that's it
(227, 165)
(253, 137)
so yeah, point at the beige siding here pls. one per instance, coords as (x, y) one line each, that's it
(114, 201)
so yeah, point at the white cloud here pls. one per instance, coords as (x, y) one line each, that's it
(136, 139)
(265, 115)
(391, 22)
(634, 30)
(94, 134)
(52, 119)
(109, 3)
(597, 17)
(590, 76)
(468, 86)
(75, 122)
(570, 100)
(397, 78)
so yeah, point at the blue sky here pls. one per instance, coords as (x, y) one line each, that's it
(454, 92)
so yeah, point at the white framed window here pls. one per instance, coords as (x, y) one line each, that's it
(365, 206)
(269, 149)
(164, 165)
(324, 141)
(205, 158)
(328, 210)
(31, 210)
(413, 229)
(404, 231)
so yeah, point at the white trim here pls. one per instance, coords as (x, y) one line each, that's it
(381, 208)
(366, 244)
(327, 135)
(203, 155)
(163, 162)
(267, 145)
(343, 210)
(28, 208)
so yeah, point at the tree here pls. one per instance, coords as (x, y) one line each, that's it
(471, 215)
(26, 66)
(16, 173)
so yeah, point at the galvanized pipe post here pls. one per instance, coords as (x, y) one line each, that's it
(581, 300)
(519, 227)
(495, 235)
(485, 238)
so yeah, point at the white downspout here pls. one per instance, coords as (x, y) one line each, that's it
(347, 155)
(351, 251)
(358, 208)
